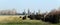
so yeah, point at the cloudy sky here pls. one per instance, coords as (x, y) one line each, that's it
(33, 5)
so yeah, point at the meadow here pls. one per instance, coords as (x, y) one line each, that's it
(15, 20)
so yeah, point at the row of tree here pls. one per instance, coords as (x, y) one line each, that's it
(52, 17)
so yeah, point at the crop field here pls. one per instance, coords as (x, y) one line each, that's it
(15, 20)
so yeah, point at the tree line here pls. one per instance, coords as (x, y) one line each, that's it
(52, 17)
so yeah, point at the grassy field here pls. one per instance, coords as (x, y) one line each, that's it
(15, 20)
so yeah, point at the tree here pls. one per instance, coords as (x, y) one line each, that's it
(38, 11)
(53, 16)
(29, 13)
(24, 13)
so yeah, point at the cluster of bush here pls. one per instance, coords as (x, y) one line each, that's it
(52, 17)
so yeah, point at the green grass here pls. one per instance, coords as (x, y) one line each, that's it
(28, 22)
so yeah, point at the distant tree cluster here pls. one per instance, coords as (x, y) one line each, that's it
(8, 12)
(52, 17)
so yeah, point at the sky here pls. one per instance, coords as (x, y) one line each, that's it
(33, 5)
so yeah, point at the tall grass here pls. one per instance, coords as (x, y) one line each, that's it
(15, 20)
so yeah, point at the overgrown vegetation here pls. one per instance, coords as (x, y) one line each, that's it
(51, 17)
(15, 20)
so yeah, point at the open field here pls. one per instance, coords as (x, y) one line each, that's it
(15, 20)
